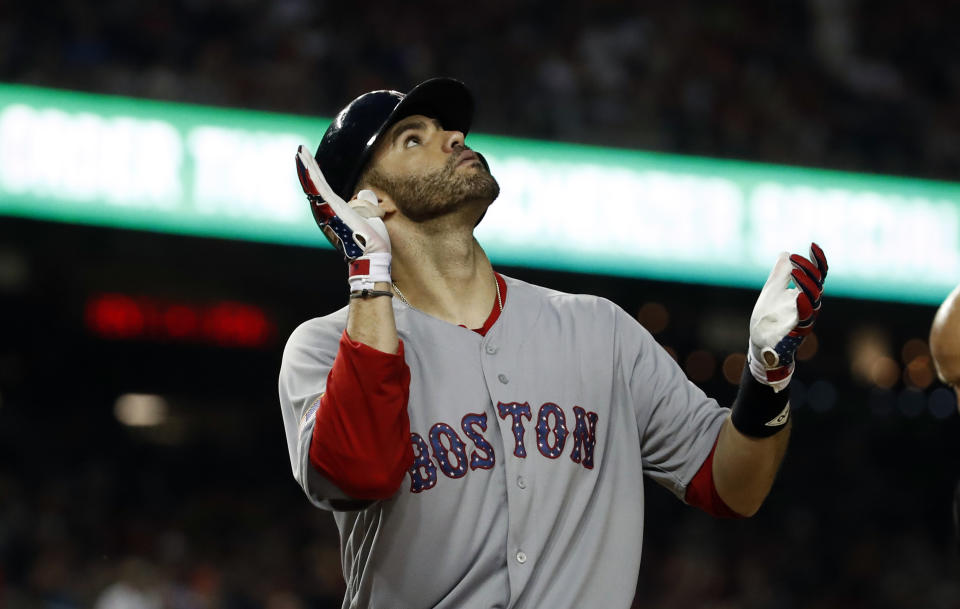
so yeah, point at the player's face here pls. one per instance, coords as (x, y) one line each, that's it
(429, 171)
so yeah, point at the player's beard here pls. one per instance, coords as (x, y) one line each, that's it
(427, 196)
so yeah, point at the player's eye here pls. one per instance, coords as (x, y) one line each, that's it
(411, 140)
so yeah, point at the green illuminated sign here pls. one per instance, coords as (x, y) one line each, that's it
(184, 169)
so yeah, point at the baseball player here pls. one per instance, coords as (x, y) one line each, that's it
(481, 441)
(945, 349)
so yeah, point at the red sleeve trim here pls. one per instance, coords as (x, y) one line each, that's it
(361, 439)
(702, 492)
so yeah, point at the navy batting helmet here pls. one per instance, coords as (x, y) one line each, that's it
(349, 140)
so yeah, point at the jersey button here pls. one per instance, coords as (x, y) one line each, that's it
(521, 482)
(521, 557)
(503, 378)
(491, 349)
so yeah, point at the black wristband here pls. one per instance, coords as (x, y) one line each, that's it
(759, 411)
(370, 293)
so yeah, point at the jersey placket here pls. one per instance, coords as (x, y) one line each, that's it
(514, 421)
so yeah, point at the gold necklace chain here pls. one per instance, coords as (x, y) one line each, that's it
(400, 294)
(407, 302)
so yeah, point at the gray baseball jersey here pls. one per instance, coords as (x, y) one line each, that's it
(530, 444)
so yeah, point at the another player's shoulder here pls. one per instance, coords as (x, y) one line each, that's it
(318, 333)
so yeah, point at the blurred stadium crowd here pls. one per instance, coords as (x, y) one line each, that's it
(130, 525)
(864, 86)
(120, 522)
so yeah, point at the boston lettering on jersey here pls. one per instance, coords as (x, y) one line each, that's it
(454, 458)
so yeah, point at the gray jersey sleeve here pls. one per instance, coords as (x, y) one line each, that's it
(307, 359)
(678, 423)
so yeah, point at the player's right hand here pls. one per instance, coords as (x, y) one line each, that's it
(356, 229)
(783, 316)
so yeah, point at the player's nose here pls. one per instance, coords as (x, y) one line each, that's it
(453, 140)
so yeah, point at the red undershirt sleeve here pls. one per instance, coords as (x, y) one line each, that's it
(361, 437)
(702, 492)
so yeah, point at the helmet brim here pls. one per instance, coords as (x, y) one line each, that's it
(445, 99)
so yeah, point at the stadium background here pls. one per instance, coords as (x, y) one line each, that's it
(199, 506)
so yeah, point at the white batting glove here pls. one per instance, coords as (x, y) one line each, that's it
(356, 228)
(783, 316)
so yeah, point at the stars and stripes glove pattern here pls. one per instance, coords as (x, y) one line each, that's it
(356, 228)
(784, 315)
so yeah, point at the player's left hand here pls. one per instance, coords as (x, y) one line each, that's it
(784, 315)
(356, 228)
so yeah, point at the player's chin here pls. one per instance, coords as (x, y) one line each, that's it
(477, 185)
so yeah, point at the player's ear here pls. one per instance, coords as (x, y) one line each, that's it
(383, 198)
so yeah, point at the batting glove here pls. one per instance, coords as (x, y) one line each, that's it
(783, 316)
(355, 229)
